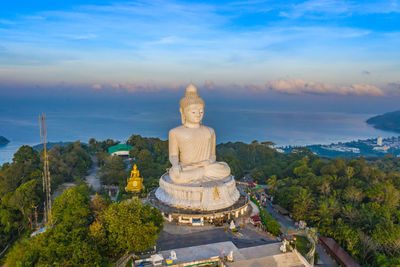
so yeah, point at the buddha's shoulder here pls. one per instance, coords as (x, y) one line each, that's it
(176, 130)
(211, 130)
(182, 129)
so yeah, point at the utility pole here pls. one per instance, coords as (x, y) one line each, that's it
(31, 220)
(36, 217)
(46, 173)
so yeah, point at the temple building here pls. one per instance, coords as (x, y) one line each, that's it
(120, 150)
(134, 183)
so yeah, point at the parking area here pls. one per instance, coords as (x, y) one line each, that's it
(178, 236)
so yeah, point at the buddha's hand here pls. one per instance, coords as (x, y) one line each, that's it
(212, 159)
(175, 170)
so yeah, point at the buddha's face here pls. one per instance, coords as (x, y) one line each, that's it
(193, 113)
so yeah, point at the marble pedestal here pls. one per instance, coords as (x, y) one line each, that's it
(209, 196)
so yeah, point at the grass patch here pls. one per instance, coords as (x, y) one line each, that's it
(303, 245)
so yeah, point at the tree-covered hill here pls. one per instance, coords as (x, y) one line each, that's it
(3, 140)
(21, 184)
(388, 122)
(87, 232)
(355, 201)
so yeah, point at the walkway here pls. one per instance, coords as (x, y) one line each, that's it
(93, 178)
(285, 221)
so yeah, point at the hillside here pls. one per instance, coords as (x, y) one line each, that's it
(3, 140)
(50, 145)
(388, 122)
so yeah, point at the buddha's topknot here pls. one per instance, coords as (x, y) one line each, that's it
(191, 97)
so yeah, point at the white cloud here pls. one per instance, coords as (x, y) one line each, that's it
(170, 40)
(287, 86)
(365, 72)
(149, 87)
(79, 36)
(299, 86)
(209, 84)
(316, 6)
(97, 86)
(320, 9)
(394, 85)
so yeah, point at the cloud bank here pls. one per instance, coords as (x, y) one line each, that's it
(285, 86)
(299, 86)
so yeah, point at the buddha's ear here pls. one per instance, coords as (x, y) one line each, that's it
(182, 115)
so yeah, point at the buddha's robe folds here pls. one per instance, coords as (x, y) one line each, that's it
(195, 150)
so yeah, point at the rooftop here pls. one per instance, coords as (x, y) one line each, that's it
(263, 255)
(119, 147)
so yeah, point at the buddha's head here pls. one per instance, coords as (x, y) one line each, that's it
(191, 106)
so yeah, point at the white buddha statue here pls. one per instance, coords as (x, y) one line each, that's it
(195, 181)
(192, 145)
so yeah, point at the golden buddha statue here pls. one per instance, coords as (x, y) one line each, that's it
(134, 183)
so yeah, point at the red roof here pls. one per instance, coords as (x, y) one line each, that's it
(255, 218)
(338, 252)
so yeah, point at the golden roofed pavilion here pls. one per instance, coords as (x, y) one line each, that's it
(135, 183)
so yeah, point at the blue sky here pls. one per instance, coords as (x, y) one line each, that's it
(323, 47)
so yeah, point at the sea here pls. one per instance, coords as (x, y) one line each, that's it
(289, 122)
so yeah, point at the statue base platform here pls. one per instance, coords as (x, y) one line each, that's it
(207, 196)
(239, 211)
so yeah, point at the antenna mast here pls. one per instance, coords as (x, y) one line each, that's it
(46, 172)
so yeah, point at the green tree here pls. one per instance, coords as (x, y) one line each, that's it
(67, 242)
(303, 204)
(353, 194)
(131, 226)
(113, 172)
(273, 184)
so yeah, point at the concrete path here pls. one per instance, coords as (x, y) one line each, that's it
(285, 221)
(60, 190)
(93, 178)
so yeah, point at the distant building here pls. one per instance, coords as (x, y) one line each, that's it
(342, 148)
(279, 150)
(120, 150)
(381, 148)
(379, 141)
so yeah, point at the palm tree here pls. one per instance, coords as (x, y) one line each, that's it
(303, 203)
(273, 184)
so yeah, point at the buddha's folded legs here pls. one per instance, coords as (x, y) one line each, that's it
(186, 176)
(198, 174)
(217, 170)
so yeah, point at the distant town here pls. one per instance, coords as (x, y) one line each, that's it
(369, 148)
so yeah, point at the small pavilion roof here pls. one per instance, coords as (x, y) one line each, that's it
(119, 147)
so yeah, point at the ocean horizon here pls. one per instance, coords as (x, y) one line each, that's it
(79, 120)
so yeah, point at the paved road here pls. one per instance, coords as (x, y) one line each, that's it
(93, 178)
(285, 221)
